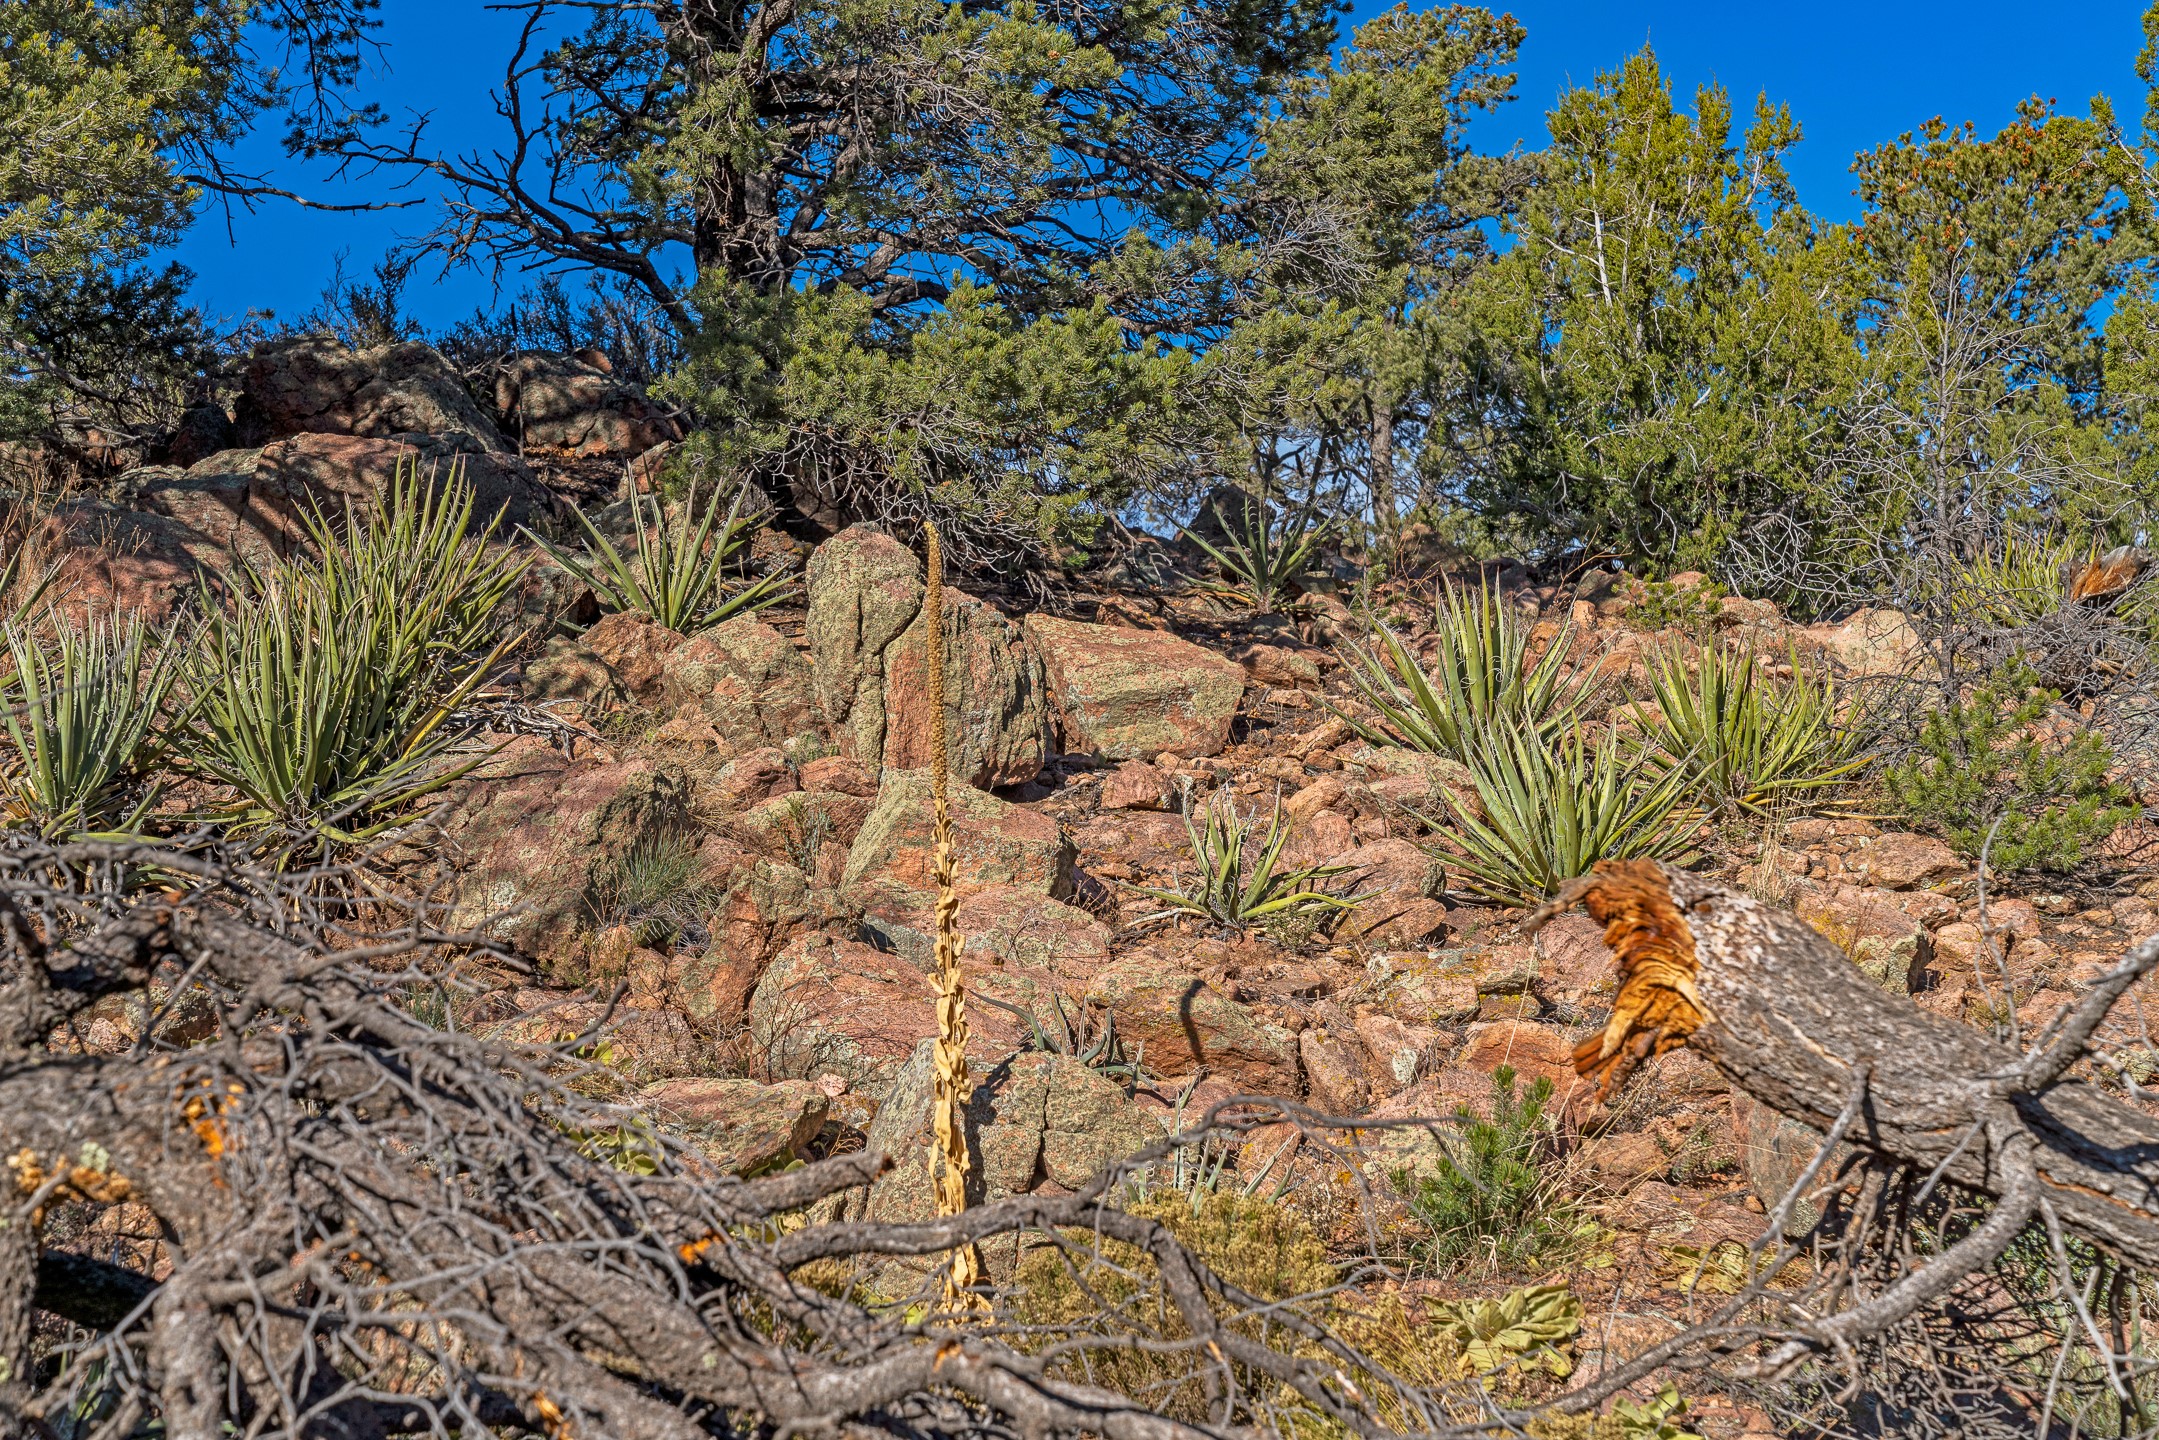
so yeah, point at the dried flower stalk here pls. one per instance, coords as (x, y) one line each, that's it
(950, 1162)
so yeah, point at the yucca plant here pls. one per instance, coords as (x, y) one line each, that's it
(2020, 581)
(1479, 677)
(678, 575)
(1242, 880)
(1553, 807)
(323, 710)
(325, 694)
(1740, 739)
(82, 708)
(416, 557)
(1260, 558)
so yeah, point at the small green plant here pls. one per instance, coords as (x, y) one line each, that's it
(679, 573)
(1262, 558)
(1551, 810)
(1242, 880)
(1741, 740)
(1980, 770)
(1661, 605)
(82, 709)
(1491, 1198)
(1530, 1328)
(1077, 1034)
(1654, 1419)
(1479, 677)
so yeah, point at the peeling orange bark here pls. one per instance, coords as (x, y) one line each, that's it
(1658, 1005)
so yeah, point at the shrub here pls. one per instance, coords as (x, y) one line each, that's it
(82, 709)
(2018, 582)
(1479, 678)
(1661, 605)
(1552, 809)
(1242, 880)
(1740, 739)
(679, 575)
(1256, 1245)
(1492, 1199)
(1980, 770)
(1262, 559)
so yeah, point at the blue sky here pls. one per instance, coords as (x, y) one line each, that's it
(1855, 74)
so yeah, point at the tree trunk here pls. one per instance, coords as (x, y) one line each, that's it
(1792, 1022)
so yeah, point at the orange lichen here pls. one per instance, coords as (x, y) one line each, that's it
(91, 1179)
(1657, 1006)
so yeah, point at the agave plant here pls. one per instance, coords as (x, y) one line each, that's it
(1259, 558)
(1740, 739)
(678, 575)
(1553, 807)
(1480, 677)
(1241, 879)
(82, 708)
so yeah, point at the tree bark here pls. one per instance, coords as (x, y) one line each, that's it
(1790, 1020)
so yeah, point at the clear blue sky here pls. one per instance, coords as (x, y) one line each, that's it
(1855, 74)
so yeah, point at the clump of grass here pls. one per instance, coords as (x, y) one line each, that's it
(1551, 809)
(1493, 1199)
(653, 887)
(82, 706)
(678, 575)
(1479, 678)
(1242, 880)
(1262, 559)
(1740, 740)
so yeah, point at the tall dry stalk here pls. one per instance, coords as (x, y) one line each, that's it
(951, 1163)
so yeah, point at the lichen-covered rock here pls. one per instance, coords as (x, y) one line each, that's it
(747, 680)
(994, 843)
(315, 385)
(1880, 935)
(528, 835)
(566, 403)
(1125, 694)
(827, 1005)
(1037, 1122)
(1001, 926)
(1902, 861)
(864, 589)
(1186, 1023)
(808, 828)
(1868, 642)
(867, 637)
(304, 472)
(742, 1127)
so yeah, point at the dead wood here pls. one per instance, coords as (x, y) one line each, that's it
(1791, 1021)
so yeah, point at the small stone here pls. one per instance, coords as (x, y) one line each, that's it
(1137, 785)
(1902, 861)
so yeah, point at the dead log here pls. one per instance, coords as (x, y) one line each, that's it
(1791, 1021)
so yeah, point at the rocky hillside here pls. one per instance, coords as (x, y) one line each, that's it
(712, 849)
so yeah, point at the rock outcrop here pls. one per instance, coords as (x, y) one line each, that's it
(866, 630)
(1125, 694)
